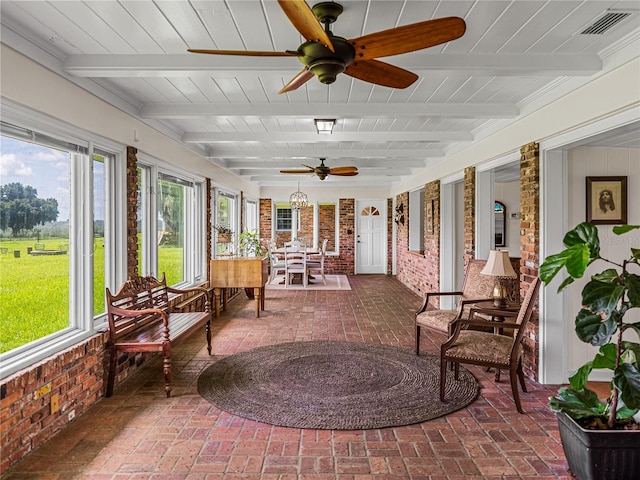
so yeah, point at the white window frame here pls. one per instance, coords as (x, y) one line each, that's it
(82, 323)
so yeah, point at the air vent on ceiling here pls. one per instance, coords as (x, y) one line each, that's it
(604, 23)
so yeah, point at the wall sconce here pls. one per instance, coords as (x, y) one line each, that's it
(324, 126)
(399, 217)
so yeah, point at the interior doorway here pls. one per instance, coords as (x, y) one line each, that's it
(371, 236)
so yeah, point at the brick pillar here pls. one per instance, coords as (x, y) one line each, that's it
(132, 207)
(530, 246)
(469, 213)
(208, 228)
(345, 263)
(432, 240)
(265, 218)
(390, 219)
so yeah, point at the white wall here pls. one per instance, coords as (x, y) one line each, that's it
(607, 95)
(599, 161)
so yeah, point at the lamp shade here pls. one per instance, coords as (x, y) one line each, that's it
(499, 265)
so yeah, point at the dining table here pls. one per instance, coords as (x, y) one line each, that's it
(297, 277)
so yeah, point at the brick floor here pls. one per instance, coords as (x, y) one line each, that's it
(140, 434)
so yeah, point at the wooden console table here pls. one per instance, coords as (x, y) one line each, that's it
(240, 272)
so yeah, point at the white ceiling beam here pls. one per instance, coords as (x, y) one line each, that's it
(189, 65)
(184, 111)
(297, 153)
(298, 137)
(237, 164)
(388, 172)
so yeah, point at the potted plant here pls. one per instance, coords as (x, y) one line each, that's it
(224, 233)
(601, 438)
(249, 243)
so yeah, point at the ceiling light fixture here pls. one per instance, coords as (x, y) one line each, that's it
(298, 200)
(324, 126)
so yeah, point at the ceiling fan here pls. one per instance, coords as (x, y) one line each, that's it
(326, 55)
(322, 170)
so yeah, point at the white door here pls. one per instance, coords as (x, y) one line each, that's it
(371, 236)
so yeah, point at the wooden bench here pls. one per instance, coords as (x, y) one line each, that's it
(141, 320)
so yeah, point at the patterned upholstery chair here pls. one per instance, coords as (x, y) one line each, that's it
(490, 349)
(475, 288)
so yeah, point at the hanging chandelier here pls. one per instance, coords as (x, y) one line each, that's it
(298, 200)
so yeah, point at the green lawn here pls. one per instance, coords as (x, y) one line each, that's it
(34, 290)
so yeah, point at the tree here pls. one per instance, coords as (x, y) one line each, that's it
(21, 209)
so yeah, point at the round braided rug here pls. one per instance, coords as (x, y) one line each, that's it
(334, 385)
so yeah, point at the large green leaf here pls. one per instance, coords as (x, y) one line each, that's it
(627, 379)
(632, 282)
(577, 403)
(635, 253)
(606, 357)
(579, 379)
(620, 229)
(586, 234)
(590, 328)
(575, 259)
(599, 296)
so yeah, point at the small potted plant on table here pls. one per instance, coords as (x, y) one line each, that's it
(601, 438)
(224, 233)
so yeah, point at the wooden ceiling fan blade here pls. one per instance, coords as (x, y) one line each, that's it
(296, 171)
(346, 174)
(246, 53)
(300, 79)
(305, 21)
(408, 38)
(342, 170)
(381, 73)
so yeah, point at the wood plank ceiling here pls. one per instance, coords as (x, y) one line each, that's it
(133, 54)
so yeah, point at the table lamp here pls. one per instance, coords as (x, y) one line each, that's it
(499, 266)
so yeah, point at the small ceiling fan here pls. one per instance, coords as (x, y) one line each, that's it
(326, 55)
(322, 170)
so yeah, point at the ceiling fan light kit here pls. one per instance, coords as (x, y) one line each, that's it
(326, 55)
(322, 171)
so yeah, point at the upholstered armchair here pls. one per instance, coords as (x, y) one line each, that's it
(470, 343)
(475, 288)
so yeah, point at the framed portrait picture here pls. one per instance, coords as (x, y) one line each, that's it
(430, 217)
(607, 200)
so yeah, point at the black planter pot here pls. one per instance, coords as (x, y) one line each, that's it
(600, 454)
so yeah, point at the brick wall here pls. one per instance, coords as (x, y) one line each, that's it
(390, 219)
(76, 376)
(132, 212)
(469, 213)
(530, 246)
(340, 264)
(327, 225)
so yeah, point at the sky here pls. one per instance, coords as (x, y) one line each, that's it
(46, 170)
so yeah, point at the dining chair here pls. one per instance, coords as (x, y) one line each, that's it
(475, 288)
(277, 264)
(490, 348)
(295, 260)
(294, 244)
(318, 265)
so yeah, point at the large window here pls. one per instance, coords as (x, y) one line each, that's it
(54, 247)
(319, 220)
(416, 220)
(35, 200)
(170, 218)
(63, 229)
(226, 213)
